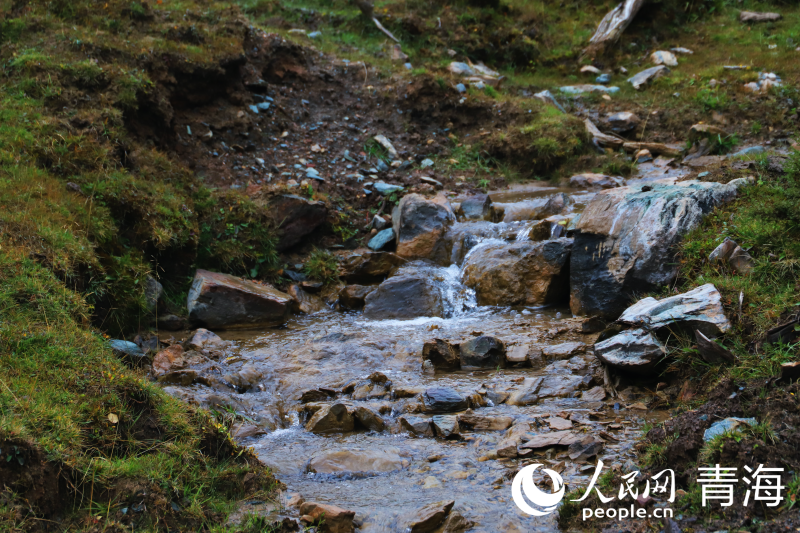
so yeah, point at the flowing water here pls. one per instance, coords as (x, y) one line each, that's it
(386, 474)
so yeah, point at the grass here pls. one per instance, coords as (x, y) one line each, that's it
(322, 265)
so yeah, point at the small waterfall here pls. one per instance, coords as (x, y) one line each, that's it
(525, 233)
(459, 300)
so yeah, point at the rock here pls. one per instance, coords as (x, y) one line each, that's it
(749, 151)
(335, 519)
(521, 273)
(129, 352)
(171, 322)
(525, 394)
(317, 395)
(334, 418)
(368, 419)
(564, 350)
(518, 354)
(383, 141)
(243, 380)
(407, 391)
(178, 377)
(460, 69)
(385, 189)
(420, 224)
(595, 394)
(622, 122)
(728, 424)
(646, 76)
(681, 50)
(242, 431)
(370, 267)
(354, 296)
(405, 296)
(626, 238)
(790, 372)
(379, 241)
(700, 308)
(485, 423)
(456, 523)
(431, 181)
(352, 461)
(295, 217)
(585, 449)
(168, 360)
(478, 207)
(512, 438)
(734, 255)
(152, 292)
(432, 483)
(636, 351)
(442, 354)
(202, 339)
(560, 385)
(555, 205)
(482, 352)
(443, 400)
(599, 181)
(753, 16)
(702, 131)
(590, 69)
(580, 89)
(643, 156)
(558, 423)
(662, 57)
(554, 438)
(220, 301)
(305, 302)
(446, 426)
(426, 519)
(378, 223)
(711, 352)
(416, 425)
(548, 98)
(603, 79)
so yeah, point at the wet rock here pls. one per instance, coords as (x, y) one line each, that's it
(381, 239)
(416, 425)
(526, 393)
(646, 76)
(152, 292)
(698, 309)
(224, 301)
(518, 354)
(334, 418)
(662, 57)
(443, 400)
(420, 224)
(178, 377)
(585, 449)
(335, 519)
(593, 325)
(636, 351)
(428, 518)
(595, 394)
(478, 207)
(369, 391)
(482, 352)
(245, 379)
(561, 385)
(521, 273)
(754, 16)
(305, 302)
(370, 267)
(202, 339)
(354, 296)
(171, 322)
(595, 181)
(432, 483)
(295, 217)
(626, 238)
(356, 462)
(442, 354)
(168, 360)
(368, 419)
(622, 122)
(512, 439)
(243, 431)
(317, 395)
(734, 255)
(555, 205)
(456, 523)
(446, 426)
(558, 423)
(485, 423)
(129, 352)
(405, 296)
(563, 350)
(728, 424)
(554, 438)
(407, 391)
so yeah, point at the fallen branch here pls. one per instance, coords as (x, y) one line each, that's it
(603, 139)
(368, 11)
(612, 26)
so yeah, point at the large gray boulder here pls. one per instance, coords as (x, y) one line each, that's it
(419, 226)
(626, 238)
(405, 296)
(219, 301)
(699, 309)
(521, 273)
(636, 351)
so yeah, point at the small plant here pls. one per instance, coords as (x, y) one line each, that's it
(755, 128)
(418, 71)
(483, 183)
(322, 266)
(491, 91)
(711, 98)
(442, 83)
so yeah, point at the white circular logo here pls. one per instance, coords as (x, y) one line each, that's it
(523, 483)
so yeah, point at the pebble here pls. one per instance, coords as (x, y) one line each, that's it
(426, 163)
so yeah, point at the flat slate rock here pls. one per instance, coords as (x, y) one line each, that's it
(444, 400)
(554, 438)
